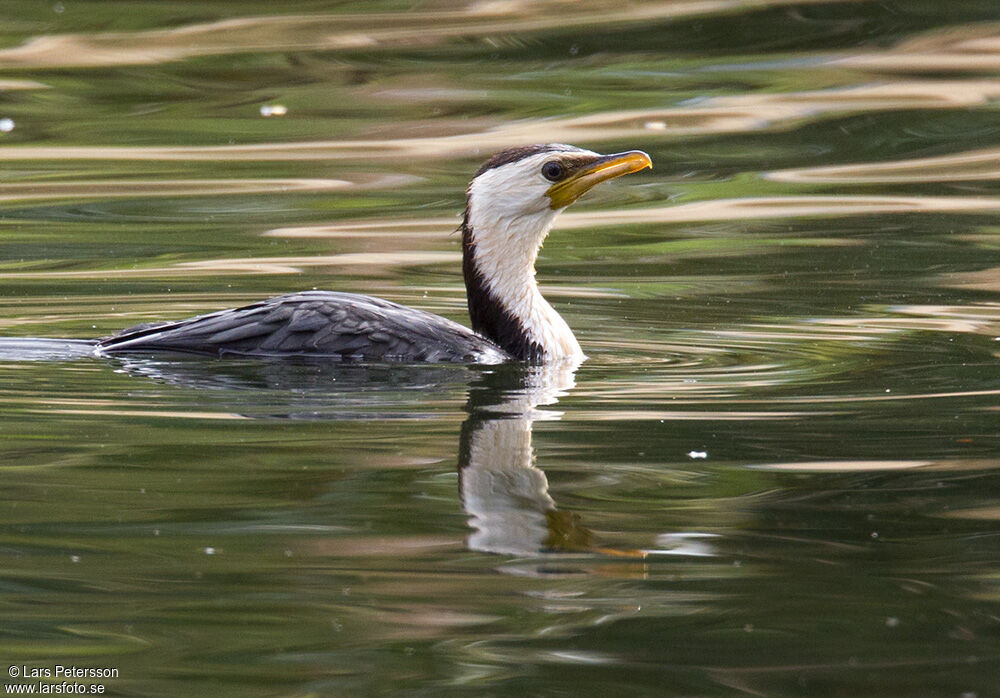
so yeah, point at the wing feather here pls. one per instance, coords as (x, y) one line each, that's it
(316, 323)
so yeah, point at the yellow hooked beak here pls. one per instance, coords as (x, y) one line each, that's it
(567, 191)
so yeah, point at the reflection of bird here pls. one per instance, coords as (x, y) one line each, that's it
(504, 493)
(511, 204)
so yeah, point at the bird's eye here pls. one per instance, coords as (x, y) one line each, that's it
(553, 171)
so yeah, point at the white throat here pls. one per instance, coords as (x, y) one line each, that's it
(506, 247)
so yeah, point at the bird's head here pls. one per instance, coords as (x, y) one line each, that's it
(518, 192)
(510, 206)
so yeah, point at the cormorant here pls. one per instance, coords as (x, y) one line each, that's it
(510, 206)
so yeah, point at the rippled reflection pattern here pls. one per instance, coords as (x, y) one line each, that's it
(774, 475)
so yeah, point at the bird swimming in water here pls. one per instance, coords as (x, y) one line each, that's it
(511, 204)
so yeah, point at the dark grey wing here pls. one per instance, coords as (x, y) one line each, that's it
(314, 323)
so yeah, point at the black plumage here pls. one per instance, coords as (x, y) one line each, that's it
(316, 324)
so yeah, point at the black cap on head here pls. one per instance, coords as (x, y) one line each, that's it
(505, 157)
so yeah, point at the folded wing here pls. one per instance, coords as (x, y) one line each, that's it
(318, 324)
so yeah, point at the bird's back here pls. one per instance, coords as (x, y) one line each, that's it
(314, 324)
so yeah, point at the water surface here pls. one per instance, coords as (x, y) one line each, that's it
(775, 474)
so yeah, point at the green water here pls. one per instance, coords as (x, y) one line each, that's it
(775, 475)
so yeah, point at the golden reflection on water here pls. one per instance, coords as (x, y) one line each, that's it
(702, 211)
(154, 413)
(746, 208)
(718, 115)
(15, 84)
(986, 513)
(399, 228)
(825, 399)
(254, 265)
(981, 319)
(101, 189)
(978, 165)
(973, 48)
(782, 207)
(844, 466)
(875, 466)
(625, 414)
(981, 280)
(326, 32)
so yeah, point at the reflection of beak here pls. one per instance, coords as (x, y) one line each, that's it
(564, 193)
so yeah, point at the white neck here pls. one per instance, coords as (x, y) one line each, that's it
(510, 277)
(503, 251)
